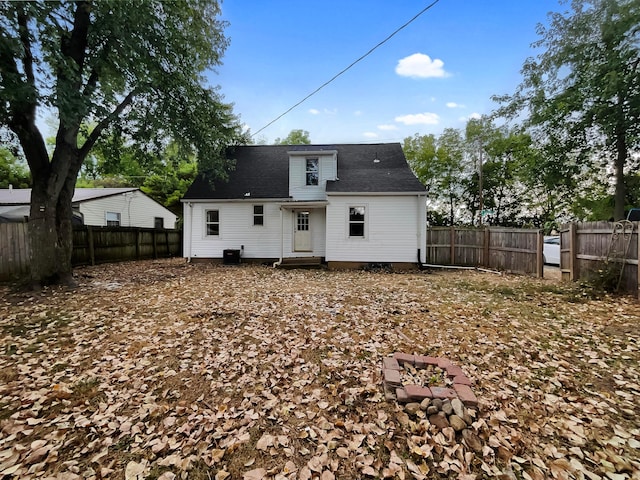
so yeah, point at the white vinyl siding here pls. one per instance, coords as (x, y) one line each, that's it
(298, 188)
(135, 210)
(392, 229)
(236, 230)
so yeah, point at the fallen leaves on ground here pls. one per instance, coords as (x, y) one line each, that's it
(163, 370)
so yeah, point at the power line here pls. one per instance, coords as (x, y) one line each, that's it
(428, 7)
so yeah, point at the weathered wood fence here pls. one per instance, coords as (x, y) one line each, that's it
(507, 249)
(601, 249)
(91, 245)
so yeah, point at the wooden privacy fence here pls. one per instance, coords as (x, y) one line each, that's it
(595, 250)
(508, 249)
(91, 245)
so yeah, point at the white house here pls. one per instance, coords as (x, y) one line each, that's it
(127, 207)
(348, 205)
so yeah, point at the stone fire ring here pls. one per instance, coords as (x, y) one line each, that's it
(416, 393)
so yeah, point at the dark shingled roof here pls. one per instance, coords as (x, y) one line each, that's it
(263, 170)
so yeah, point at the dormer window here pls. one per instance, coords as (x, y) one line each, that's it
(312, 171)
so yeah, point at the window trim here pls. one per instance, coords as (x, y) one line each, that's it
(307, 171)
(107, 220)
(362, 222)
(207, 222)
(257, 216)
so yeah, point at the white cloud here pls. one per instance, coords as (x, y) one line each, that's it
(314, 111)
(357, 113)
(370, 135)
(387, 127)
(454, 105)
(420, 65)
(426, 118)
(474, 116)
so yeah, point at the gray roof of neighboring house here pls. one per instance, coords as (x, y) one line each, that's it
(263, 170)
(22, 196)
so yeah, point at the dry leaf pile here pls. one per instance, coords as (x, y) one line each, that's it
(163, 370)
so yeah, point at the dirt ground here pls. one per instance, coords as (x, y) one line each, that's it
(162, 369)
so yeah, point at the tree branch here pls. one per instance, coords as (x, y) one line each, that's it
(96, 132)
(21, 118)
(27, 59)
(75, 46)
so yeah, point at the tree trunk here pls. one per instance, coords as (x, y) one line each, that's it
(50, 220)
(50, 237)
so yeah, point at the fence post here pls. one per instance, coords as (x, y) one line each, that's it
(92, 249)
(638, 256)
(573, 261)
(155, 244)
(138, 241)
(486, 259)
(452, 245)
(540, 255)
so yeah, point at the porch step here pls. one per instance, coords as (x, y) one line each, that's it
(302, 262)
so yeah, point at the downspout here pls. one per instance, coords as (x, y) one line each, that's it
(279, 262)
(422, 226)
(189, 219)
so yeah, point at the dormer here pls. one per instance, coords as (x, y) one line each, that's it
(309, 171)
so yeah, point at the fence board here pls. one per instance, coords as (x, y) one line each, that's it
(91, 245)
(593, 249)
(515, 250)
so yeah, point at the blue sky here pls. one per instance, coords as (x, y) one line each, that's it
(434, 74)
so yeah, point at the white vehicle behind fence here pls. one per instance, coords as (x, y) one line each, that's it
(551, 250)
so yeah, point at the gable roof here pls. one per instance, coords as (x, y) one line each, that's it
(263, 170)
(22, 196)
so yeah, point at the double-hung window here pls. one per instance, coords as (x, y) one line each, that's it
(213, 223)
(356, 221)
(312, 171)
(258, 214)
(113, 219)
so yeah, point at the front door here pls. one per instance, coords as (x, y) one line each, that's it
(302, 232)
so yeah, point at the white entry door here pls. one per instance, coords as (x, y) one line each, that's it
(302, 232)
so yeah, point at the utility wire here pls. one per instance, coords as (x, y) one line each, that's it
(428, 7)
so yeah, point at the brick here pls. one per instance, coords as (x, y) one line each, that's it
(392, 377)
(454, 371)
(423, 360)
(403, 358)
(461, 380)
(390, 363)
(466, 395)
(402, 396)
(417, 392)
(444, 363)
(443, 392)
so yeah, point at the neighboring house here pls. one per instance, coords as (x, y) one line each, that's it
(127, 207)
(349, 205)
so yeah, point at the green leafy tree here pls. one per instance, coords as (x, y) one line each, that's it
(582, 92)
(439, 165)
(551, 180)
(295, 137)
(12, 171)
(122, 65)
